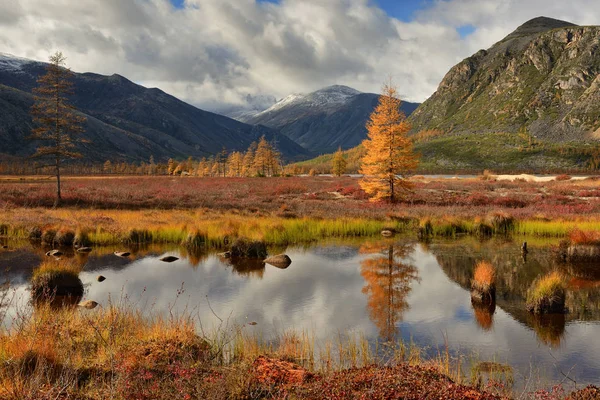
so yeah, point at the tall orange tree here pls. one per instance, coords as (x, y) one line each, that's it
(389, 155)
(57, 123)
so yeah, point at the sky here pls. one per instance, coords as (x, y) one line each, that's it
(220, 53)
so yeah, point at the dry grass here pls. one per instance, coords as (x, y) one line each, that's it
(484, 277)
(547, 294)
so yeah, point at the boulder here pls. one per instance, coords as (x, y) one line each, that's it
(84, 249)
(169, 259)
(100, 278)
(280, 261)
(122, 253)
(55, 253)
(387, 233)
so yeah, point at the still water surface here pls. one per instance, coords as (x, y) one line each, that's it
(383, 289)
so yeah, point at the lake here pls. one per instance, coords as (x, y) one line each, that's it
(383, 289)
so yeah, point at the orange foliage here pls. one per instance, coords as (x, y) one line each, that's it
(484, 277)
(578, 236)
(388, 281)
(389, 151)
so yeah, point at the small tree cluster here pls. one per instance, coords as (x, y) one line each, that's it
(261, 159)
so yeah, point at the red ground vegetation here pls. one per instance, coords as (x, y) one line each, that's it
(307, 196)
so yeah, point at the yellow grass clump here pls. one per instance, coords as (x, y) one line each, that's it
(547, 294)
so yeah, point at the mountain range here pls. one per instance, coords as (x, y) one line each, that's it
(126, 121)
(515, 105)
(324, 120)
(542, 79)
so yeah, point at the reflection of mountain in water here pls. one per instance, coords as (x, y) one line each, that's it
(514, 277)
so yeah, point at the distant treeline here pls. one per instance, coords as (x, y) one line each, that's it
(260, 159)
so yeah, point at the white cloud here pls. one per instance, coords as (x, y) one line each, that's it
(219, 51)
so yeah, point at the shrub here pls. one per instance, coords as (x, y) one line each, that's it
(425, 228)
(195, 240)
(547, 294)
(48, 236)
(57, 285)
(64, 238)
(248, 249)
(502, 222)
(35, 233)
(137, 236)
(81, 239)
(578, 236)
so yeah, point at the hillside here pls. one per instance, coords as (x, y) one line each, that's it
(126, 121)
(541, 80)
(324, 120)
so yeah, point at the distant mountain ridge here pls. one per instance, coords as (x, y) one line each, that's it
(542, 79)
(126, 121)
(323, 120)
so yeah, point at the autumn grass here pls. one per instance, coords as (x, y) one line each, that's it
(547, 294)
(116, 351)
(484, 277)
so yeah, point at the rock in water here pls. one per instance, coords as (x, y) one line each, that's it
(89, 304)
(100, 278)
(55, 253)
(387, 233)
(169, 259)
(84, 249)
(122, 253)
(280, 261)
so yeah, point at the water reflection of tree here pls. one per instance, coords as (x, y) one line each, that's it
(388, 277)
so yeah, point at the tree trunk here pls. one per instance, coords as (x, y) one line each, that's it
(58, 197)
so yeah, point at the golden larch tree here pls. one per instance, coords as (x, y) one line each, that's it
(57, 124)
(261, 157)
(389, 154)
(339, 163)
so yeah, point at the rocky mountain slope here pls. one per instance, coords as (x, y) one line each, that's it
(542, 79)
(323, 120)
(125, 121)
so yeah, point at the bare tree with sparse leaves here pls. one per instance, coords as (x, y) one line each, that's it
(57, 124)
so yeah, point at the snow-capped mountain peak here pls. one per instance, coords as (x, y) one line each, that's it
(331, 96)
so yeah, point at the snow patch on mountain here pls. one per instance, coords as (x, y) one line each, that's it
(8, 62)
(331, 96)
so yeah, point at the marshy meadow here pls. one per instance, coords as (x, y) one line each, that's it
(299, 287)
